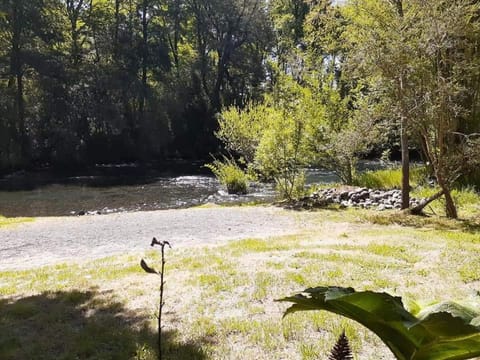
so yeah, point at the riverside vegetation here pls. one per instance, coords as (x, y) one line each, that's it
(354, 86)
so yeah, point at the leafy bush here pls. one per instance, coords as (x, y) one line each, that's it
(242, 130)
(275, 137)
(230, 175)
(445, 332)
(296, 126)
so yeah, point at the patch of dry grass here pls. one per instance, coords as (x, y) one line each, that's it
(220, 299)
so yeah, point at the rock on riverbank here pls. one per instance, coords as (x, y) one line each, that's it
(354, 197)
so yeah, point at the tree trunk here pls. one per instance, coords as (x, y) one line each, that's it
(143, 94)
(117, 27)
(224, 55)
(403, 129)
(450, 208)
(17, 72)
(173, 42)
(405, 164)
(417, 210)
(216, 101)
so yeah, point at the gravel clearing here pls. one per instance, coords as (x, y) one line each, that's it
(58, 239)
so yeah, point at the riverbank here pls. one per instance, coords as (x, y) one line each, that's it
(226, 268)
(49, 240)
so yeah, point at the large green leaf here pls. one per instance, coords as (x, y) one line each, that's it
(447, 334)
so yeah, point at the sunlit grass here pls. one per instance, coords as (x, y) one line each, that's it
(389, 178)
(220, 299)
(4, 221)
(264, 245)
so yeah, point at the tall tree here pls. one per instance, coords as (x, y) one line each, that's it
(224, 27)
(381, 39)
(415, 53)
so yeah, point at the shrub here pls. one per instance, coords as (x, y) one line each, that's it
(230, 175)
(273, 137)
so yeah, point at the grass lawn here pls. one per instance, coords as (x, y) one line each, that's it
(220, 299)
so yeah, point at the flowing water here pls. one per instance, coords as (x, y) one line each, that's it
(118, 188)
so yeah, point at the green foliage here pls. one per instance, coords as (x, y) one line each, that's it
(273, 136)
(410, 50)
(389, 178)
(472, 180)
(86, 82)
(230, 175)
(449, 331)
(241, 130)
(347, 134)
(296, 126)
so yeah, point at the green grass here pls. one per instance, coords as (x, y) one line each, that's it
(261, 245)
(389, 178)
(4, 221)
(219, 300)
(396, 252)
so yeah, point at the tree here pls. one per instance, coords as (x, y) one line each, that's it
(415, 53)
(379, 34)
(224, 28)
(447, 63)
(288, 17)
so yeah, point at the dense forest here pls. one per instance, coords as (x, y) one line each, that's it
(97, 81)
(85, 81)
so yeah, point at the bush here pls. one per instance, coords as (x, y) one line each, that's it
(230, 175)
(291, 185)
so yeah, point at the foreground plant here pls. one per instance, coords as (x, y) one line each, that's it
(449, 332)
(341, 350)
(160, 273)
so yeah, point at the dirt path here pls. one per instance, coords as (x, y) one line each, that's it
(51, 240)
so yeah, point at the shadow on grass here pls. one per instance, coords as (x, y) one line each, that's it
(81, 325)
(422, 221)
(307, 205)
(471, 225)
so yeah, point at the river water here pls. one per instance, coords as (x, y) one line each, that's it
(117, 188)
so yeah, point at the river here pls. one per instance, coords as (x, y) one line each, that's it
(117, 188)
